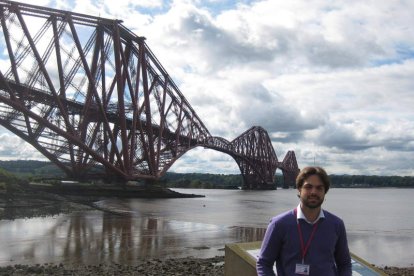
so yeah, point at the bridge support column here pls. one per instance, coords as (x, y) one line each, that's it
(289, 179)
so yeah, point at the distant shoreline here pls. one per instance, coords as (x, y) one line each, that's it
(38, 199)
(34, 170)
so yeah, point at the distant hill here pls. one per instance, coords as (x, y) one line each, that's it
(34, 169)
(207, 180)
(202, 180)
(6, 177)
(367, 181)
(9, 183)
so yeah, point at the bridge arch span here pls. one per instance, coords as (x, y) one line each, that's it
(254, 154)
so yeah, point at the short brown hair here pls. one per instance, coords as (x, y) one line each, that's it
(308, 171)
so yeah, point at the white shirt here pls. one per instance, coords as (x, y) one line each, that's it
(301, 215)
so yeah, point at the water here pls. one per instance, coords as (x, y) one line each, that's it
(379, 222)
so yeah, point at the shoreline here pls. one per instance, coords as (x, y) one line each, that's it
(170, 266)
(35, 203)
(39, 200)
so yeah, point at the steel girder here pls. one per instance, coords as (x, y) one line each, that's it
(256, 158)
(90, 95)
(290, 170)
(258, 164)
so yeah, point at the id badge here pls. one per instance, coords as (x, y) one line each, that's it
(302, 269)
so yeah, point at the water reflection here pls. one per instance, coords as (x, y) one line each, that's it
(383, 248)
(95, 237)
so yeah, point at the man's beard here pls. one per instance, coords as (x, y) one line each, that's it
(313, 203)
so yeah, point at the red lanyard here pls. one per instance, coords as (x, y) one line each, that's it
(302, 244)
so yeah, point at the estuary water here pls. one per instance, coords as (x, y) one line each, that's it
(379, 222)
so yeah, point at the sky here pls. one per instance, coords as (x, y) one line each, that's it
(331, 80)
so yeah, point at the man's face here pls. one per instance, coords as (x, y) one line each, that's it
(312, 192)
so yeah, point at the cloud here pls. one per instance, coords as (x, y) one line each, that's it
(270, 110)
(196, 159)
(351, 136)
(16, 149)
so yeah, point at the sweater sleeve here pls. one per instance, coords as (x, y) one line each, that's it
(269, 251)
(342, 255)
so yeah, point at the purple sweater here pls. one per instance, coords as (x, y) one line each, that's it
(328, 253)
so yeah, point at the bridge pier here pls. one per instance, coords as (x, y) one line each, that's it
(289, 179)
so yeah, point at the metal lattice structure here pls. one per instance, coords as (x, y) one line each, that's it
(90, 95)
(290, 169)
(256, 158)
(254, 154)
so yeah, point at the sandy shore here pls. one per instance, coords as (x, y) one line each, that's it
(34, 204)
(187, 266)
(182, 266)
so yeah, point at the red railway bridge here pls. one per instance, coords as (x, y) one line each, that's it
(90, 96)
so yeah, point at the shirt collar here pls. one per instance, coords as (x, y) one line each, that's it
(301, 215)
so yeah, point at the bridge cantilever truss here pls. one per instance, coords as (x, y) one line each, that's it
(90, 95)
(256, 158)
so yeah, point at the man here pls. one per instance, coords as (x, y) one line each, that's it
(306, 240)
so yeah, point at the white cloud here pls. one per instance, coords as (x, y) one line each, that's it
(16, 149)
(197, 159)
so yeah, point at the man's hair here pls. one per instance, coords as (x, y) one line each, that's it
(308, 171)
